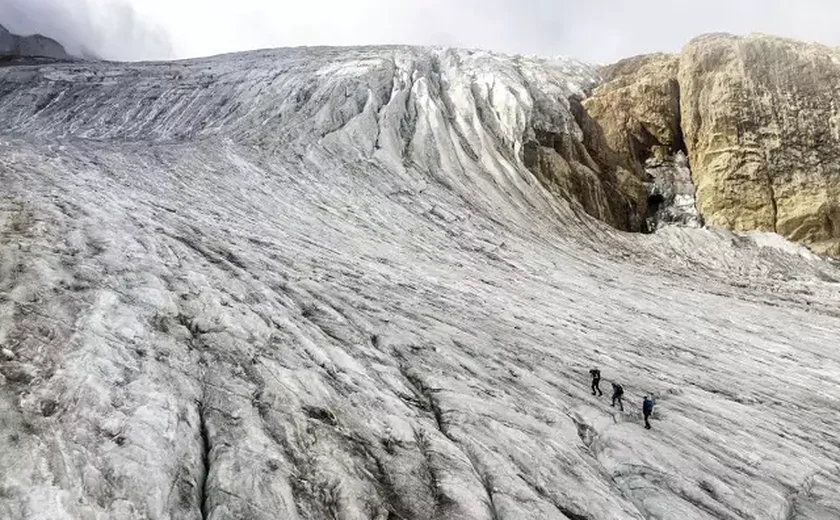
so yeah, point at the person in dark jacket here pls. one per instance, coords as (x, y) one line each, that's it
(596, 380)
(647, 409)
(617, 394)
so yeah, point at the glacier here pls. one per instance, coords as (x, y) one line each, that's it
(321, 283)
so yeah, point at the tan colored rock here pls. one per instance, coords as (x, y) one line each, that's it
(638, 108)
(588, 173)
(761, 119)
(634, 115)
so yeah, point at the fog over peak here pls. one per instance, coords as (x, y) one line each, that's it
(104, 28)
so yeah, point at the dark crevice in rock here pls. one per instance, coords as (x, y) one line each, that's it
(678, 144)
(774, 209)
(655, 201)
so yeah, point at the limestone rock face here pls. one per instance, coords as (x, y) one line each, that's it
(637, 110)
(585, 170)
(762, 126)
(759, 119)
(638, 107)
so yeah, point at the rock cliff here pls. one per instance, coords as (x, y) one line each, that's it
(759, 118)
(34, 46)
(584, 170)
(638, 107)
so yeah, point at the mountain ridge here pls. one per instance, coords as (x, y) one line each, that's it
(32, 46)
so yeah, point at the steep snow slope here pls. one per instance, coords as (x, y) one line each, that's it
(321, 284)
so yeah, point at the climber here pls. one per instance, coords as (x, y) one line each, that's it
(618, 392)
(596, 380)
(647, 410)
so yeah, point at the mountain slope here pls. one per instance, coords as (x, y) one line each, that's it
(34, 46)
(323, 283)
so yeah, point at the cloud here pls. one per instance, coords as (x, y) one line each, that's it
(110, 29)
(601, 31)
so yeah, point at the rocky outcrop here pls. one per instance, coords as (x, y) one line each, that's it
(34, 46)
(761, 117)
(638, 108)
(586, 171)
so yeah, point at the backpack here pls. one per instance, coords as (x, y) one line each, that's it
(618, 389)
(596, 374)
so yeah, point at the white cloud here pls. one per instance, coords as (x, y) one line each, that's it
(599, 31)
(109, 28)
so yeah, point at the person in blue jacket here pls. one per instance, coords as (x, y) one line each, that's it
(647, 409)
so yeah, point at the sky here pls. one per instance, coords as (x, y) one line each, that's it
(600, 31)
